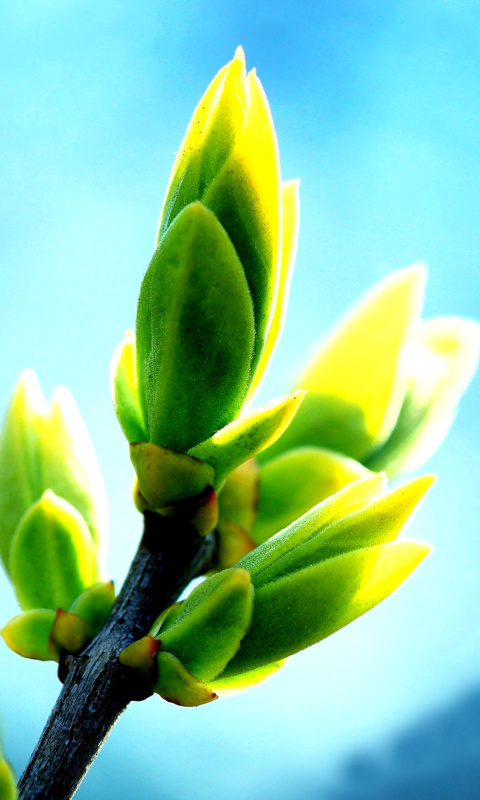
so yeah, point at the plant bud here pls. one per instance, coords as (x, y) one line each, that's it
(384, 387)
(213, 300)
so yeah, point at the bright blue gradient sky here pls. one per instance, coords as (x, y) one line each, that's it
(377, 111)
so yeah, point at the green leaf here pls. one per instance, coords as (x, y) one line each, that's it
(28, 634)
(207, 632)
(237, 502)
(227, 687)
(244, 437)
(70, 467)
(166, 477)
(294, 482)
(177, 685)
(20, 469)
(52, 557)
(47, 446)
(442, 358)
(209, 140)
(94, 605)
(124, 388)
(351, 498)
(229, 161)
(357, 379)
(302, 608)
(290, 227)
(381, 520)
(195, 332)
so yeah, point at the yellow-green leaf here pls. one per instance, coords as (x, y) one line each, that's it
(351, 498)
(195, 332)
(379, 521)
(441, 358)
(302, 608)
(124, 388)
(207, 631)
(209, 140)
(227, 687)
(290, 228)
(52, 556)
(94, 605)
(166, 477)
(237, 502)
(177, 685)
(358, 378)
(28, 634)
(249, 434)
(297, 480)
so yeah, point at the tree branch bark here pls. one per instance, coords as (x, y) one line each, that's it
(97, 688)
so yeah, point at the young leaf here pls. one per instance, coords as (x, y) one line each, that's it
(351, 498)
(244, 437)
(207, 632)
(226, 687)
(290, 228)
(195, 332)
(124, 388)
(238, 499)
(304, 607)
(94, 605)
(245, 197)
(70, 467)
(357, 380)
(28, 634)
(209, 140)
(20, 471)
(177, 685)
(442, 358)
(52, 557)
(165, 477)
(380, 521)
(297, 480)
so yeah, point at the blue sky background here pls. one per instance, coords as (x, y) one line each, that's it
(377, 111)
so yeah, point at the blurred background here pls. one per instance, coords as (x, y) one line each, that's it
(377, 111)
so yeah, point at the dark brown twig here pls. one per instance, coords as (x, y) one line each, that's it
(97, 688)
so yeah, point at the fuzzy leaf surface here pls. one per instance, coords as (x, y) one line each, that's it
(195, 332)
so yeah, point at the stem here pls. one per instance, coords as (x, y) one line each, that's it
(97, 688)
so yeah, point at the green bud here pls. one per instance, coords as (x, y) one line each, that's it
(442, 358)
(141, 655)
(213, 300)
(237, 502)
(94, 605)
(166, 477)
(306, 606)
(70, 633)
(229, 161)
(356, 379)
(195, 332)
(246, 436)
(206, 631)
(28, 634)
(177, 685)
(52, 556)
(384, 387)
(46, 446)
(294, 482)
(319, 574)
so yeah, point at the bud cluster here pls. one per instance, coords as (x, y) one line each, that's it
(53, 524)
